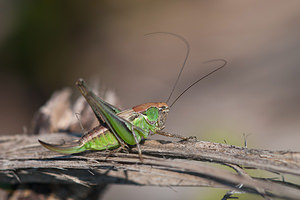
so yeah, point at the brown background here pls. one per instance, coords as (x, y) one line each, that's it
(45, 46)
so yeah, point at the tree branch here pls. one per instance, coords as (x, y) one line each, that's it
(183, 163)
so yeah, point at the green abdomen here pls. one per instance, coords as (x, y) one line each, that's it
(103, 141)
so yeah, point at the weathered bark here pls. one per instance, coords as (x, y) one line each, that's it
(23, 160)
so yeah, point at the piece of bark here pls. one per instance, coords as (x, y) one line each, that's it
(165, 164)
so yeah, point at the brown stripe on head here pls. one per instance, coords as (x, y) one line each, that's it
(145, 106)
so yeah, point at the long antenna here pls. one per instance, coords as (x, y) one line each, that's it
(203, 77)
(185, 59)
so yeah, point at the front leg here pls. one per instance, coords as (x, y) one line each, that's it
(176, 136)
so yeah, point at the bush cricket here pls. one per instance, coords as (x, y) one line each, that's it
(118, 128)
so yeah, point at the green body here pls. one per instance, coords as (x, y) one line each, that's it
(117, 127)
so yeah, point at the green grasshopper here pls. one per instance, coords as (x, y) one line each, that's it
(117, 128)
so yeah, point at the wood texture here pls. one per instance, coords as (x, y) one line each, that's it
(185, 163)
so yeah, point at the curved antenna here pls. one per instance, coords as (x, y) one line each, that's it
(203, 77)
(185, 59)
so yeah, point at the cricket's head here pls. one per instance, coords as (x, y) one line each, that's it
(156, 113)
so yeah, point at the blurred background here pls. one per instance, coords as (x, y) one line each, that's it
(47, 45)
